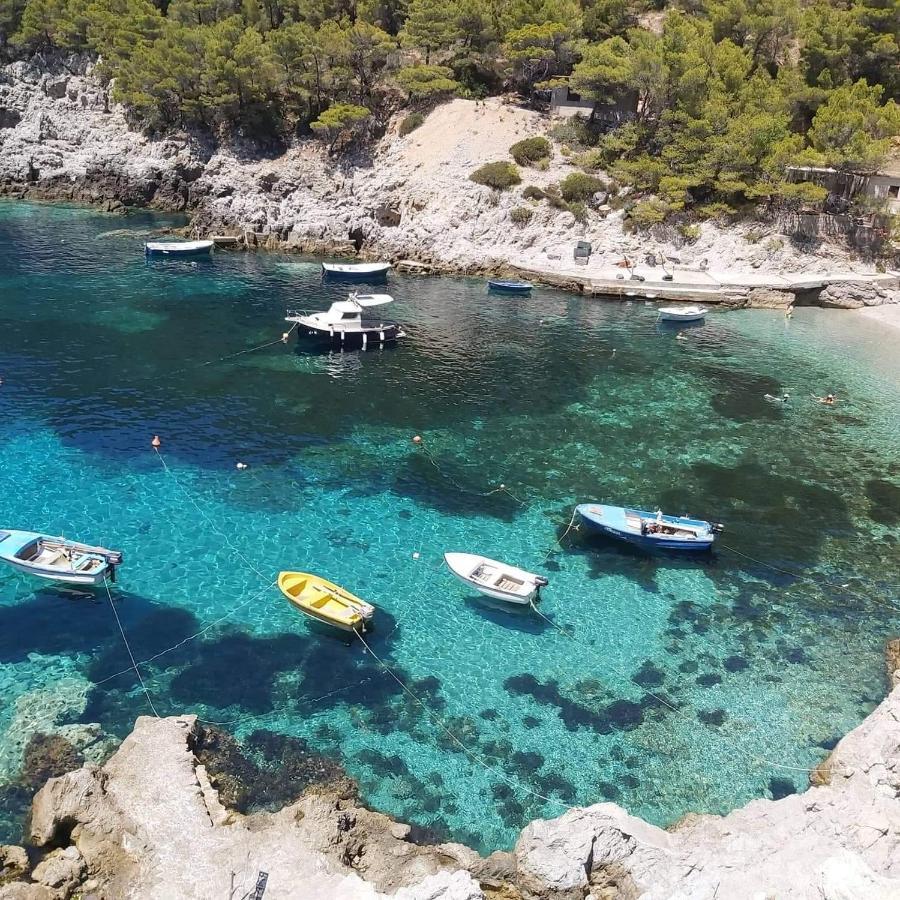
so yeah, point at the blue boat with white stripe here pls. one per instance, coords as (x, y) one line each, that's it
(650, 530)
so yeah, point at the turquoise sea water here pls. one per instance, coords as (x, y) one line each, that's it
(688, 685)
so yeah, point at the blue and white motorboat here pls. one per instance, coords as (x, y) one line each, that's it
(178, 248)
(650, 530)
(356, 271)
(57, 559)
(509, 287)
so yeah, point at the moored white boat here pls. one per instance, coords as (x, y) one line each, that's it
(343, 326)
(356, 270)
(56, 558)
(495, 579)
(681, 313)
(178, 248)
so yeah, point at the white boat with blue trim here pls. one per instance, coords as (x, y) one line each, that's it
(57, 559)
(650, 530)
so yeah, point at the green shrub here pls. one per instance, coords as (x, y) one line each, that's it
(591, 160)
(424, 83)
(690, 233)
(530, 150)
(579, 210)
(649, 212)
(497, 175)
(579, 186)
(411, 123)
(572, 131)
(521, 215)
(533, 192)
(715, 210)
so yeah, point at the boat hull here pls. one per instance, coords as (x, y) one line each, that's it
(461, 565)
(196, 248)
(676, 315)
(325, 602)
(509, 287)
(375, 336)
(40, 555)
(592, 515)
(349, 274)
(90, 579)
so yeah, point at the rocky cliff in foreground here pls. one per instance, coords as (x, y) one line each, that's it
(150, 825)
(406, 198)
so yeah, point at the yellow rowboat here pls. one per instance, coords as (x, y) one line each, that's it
(325, 602)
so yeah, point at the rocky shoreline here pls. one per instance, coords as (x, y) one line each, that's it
(151, 824)
(406, 198)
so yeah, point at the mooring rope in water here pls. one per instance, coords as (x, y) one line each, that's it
(134, 665)
(815, 579)
(675, 709)
(236, 550)
(501, 489)
(196, 634)
(496, 772)
(212, 362)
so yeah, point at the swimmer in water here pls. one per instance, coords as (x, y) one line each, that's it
(828, 399)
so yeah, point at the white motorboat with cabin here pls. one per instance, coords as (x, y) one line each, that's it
(495, 579)
(357, 271)
(57, 559)
(681, 313)
(343, 325)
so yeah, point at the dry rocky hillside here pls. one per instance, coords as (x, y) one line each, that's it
(411, 198)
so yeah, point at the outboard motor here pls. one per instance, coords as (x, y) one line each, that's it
(539, 582)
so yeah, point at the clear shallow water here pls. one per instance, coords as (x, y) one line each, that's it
(99, 350)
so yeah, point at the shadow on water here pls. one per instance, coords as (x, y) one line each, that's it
(507, 615)
(56, 620)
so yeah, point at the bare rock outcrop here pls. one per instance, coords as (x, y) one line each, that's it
(837, 841)
(149, 825)
(856, 294)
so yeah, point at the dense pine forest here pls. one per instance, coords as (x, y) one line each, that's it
(728, 92)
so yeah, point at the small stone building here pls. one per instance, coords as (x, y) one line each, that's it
(882, 185)
(565, 103)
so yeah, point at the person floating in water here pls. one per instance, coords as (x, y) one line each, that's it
(784, 398)
(828, 399)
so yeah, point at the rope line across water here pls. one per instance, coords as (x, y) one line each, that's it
(134, 665)
(193, 636)
(515, 784)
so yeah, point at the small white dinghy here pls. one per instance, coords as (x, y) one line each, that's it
(356, 270)
(681, 313)
(178, 248)
(57, 559)
(495, 579)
